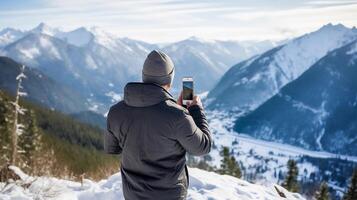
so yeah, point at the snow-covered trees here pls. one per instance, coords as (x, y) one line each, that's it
(291, 182)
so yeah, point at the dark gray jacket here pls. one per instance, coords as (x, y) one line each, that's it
(153, 134)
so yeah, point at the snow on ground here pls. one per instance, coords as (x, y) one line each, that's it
(203, 185)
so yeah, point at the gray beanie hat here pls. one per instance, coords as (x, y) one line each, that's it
(158, 68)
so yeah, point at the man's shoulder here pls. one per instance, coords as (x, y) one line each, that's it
(116, 107)
(175, 110)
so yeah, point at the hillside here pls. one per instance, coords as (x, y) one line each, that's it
(316, 111)
(39, 87)
(90, 117)
(73, 147)
(204, 185)
(250, 83)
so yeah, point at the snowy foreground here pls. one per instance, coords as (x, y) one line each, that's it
(203, 185)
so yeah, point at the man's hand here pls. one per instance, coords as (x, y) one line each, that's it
(179, 100)
(195, 101)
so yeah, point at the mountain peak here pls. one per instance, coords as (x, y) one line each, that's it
(82, 30)
(42, 26)
(332, 27)
(197, 39)
(45, 29)
(78, 37)
(193, 38)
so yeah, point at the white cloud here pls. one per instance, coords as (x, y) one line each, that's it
(331, 2)
(168, 20)
(296, 21)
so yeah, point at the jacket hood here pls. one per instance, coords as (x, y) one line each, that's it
(145, 94)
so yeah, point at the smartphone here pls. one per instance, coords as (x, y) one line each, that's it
(187, 90)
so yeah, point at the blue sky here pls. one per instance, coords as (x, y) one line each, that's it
(168, 20)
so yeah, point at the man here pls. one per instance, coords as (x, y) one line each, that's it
(153, 132)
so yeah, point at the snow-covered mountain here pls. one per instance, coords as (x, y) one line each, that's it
(98, 64)
(67, 64)
(208, 60)
(317, 111)
(203, 185)
(248, 84)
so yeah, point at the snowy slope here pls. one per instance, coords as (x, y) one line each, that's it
(250, 83)
(203, 185)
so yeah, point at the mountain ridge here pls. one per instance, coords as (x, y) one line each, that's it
(101, 63)
(266, 74)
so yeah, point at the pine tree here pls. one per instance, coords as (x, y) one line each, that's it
(229, 165)
(234, 169)
(291, 182)
(225, 160)
(352, 189)
(323, 193)
(30, 141)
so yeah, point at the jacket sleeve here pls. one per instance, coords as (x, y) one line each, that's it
(193, 133)
(111, 142)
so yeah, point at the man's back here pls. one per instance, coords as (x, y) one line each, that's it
(153, 134)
